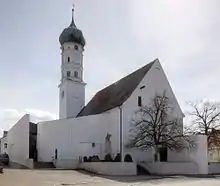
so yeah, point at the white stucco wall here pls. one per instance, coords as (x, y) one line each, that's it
(199, 155)
(3, 141)
(155, 82)
(73, 100)
(192, 161)
(74, 137)
(18, 141)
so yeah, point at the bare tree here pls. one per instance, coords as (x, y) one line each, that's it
(154, 127)
(205, 117)
(214, 139)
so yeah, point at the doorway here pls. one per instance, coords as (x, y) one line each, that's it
(163, 154)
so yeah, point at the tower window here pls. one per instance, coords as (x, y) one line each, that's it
(76, 47)
(76, 74)
(5, 145)
(68, 73)
(62, 94)
(139, 101)
(68, 59)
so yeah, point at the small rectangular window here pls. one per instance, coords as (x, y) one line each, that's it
(68, 73)
(5, 145)
(68, 59)
(139, 101)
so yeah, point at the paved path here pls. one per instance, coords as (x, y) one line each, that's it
(16, 177)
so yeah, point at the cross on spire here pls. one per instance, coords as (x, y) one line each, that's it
(73, 23)
(73, 8)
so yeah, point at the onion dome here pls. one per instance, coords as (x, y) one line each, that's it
(72, 34)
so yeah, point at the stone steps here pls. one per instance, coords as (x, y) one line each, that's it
(43, 165)
(142, 170)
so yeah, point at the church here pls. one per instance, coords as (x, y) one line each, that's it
(81, 130)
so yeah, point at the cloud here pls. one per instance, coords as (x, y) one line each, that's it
(184, 36)
(39, 115)
(8, 117)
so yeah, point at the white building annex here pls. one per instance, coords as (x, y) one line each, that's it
(3, 143)
(82, 129)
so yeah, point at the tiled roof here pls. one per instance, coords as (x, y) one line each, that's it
(115, 94)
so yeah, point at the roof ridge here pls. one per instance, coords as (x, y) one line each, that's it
(135, 71)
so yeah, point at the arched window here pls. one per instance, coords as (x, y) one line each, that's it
(68, 73)
(76, 74)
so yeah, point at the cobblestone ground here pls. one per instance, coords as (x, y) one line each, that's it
(16, 177)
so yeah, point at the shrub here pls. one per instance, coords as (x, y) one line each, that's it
(128, 158)
(90, 159)
(117, 157)
(108, 158)
(95, 158)
(85, 159)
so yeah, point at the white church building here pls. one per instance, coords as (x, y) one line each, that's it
(81, 129)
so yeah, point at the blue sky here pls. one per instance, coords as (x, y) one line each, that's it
(121, 36)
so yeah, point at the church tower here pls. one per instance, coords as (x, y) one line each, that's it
(72, 86)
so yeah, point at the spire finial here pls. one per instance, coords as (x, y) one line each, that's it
(73, 23)
(73, 9)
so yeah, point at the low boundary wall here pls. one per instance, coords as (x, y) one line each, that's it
(169, 168)
(28, 163)
(214, 168)
(111, 168)
(66, 163)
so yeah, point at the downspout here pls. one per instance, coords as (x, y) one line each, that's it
(121, 133)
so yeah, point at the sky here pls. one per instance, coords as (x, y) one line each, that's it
(121, 36)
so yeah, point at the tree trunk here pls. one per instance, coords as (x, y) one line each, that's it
(156, 154)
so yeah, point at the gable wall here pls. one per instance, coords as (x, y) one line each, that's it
(18, 141)
(155, 81)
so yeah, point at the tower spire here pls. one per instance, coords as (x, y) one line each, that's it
(72, 22)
